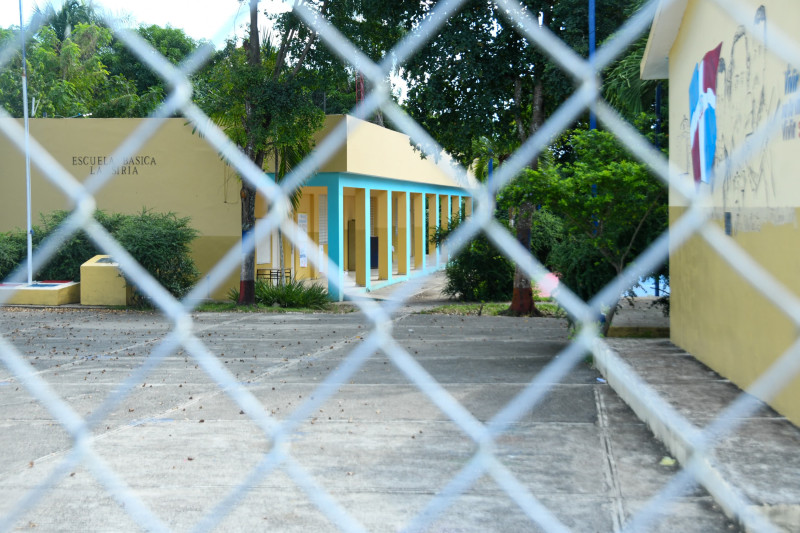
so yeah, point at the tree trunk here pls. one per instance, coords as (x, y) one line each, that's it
(522, 298)
(247, 294)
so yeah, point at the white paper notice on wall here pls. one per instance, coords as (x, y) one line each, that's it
(302, 221)
(263, 249)
(322, 263)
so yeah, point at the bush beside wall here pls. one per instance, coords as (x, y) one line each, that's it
(160, 242)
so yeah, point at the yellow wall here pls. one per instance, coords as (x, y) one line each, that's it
(177, 171)
(715, 314)
(381, 152)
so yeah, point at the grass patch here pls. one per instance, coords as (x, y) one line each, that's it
(464, 309)
(638, 332)
(232, 307)
(549, 310)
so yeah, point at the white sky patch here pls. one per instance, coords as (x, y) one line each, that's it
(212, 20)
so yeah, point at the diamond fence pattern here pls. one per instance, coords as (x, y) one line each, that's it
(279, 432)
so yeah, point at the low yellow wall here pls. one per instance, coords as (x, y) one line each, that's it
(724, 321)
(207, 252)
(65, 294)
(102, 283)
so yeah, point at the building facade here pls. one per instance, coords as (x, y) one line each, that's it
(725, 84)
(365, 208)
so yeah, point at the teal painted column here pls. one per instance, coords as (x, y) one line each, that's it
(438, 224)
(363, 234)
(336, 240)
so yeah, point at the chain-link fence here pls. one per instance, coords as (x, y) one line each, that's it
(587, 93)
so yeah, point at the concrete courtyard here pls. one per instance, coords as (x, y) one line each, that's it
(379, 446)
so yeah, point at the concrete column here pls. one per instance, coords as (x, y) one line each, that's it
(444, 211)
(336, 241)
(363, 271)
(403, 245)
(383, 220)
(418, 225)
(433, 223)
(313, 233)
(444, 221)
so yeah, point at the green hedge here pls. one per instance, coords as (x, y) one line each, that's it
(160, 242)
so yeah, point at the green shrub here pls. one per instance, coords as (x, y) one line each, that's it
(161, 242)
(479, 272)
(13, 250)
(66, 262)
(294, 294)
(582, 266)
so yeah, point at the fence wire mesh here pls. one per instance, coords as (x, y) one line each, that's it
(379, 339)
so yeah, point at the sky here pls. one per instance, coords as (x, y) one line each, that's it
(200, 19)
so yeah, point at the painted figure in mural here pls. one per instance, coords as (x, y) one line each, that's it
(703, 116)
(746, 103)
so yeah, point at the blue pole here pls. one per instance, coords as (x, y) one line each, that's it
(489, 181)
(592, 118)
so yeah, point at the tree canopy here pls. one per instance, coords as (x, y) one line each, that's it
(77, 67)
(478, 77)
(611, 208)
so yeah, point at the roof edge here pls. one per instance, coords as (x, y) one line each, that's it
(666, 23)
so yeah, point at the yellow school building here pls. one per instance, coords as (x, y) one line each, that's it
(370, 208)
(724, 84)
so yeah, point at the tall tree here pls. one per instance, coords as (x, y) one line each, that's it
(65, 78)
(77, 67)
(252, 92)
(171, 43)
(481, 77)
(70, 14)
(606, 231)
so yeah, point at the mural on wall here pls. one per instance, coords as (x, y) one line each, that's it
(703, 117)
(747, 100)
(791, 109)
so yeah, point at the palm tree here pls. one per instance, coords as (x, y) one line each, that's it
(252, 93)
(72, 13)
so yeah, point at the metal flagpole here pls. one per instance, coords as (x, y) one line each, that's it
(27, 144)
(592, 118)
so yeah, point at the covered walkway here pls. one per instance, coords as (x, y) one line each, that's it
(372, 209)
